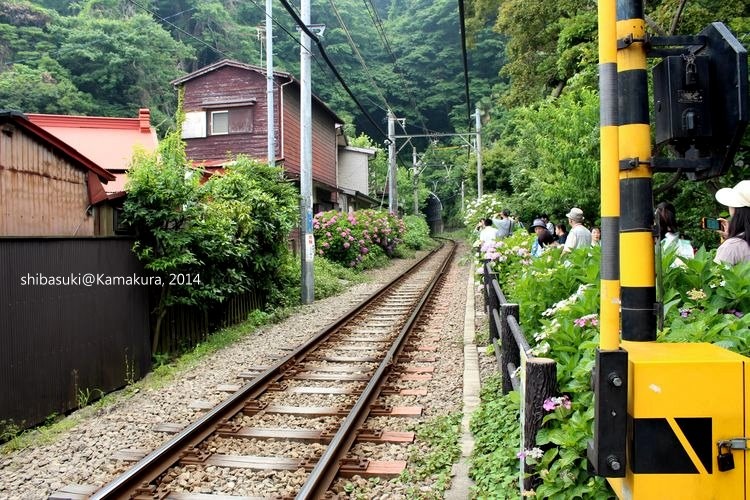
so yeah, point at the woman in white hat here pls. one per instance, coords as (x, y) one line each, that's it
(736, 248)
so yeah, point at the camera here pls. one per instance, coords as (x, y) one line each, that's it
(708, 223)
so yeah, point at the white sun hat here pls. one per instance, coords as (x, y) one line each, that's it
(738, 196)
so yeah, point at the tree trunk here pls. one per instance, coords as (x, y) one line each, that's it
(161, 311)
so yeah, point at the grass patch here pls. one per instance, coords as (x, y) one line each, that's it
(496, 429)
(440, 435)
(46, 433)
(332, 278)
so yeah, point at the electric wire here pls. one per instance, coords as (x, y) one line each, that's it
(378, 24)
(212, 47)
(358, 54)
(289, 33)
(465, 58)
(330, 64)
(157, 16)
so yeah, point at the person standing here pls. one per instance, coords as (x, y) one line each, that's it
(736, 247)
(548, 224)
(505, 224)
(669, 235)
(596, 236)
(562, 233)
(579, 236)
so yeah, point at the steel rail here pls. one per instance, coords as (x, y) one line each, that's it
(326, 469)
(150, 467)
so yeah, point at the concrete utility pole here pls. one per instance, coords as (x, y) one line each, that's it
(415, 166)
(307, 243)
(392, 192)
(479, 153)
(269, 84)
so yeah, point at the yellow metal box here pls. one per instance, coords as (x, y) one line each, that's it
(682, 400)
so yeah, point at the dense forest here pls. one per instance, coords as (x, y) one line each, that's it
(532, 72)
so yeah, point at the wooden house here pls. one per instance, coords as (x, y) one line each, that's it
(47, 187)
(225, 107)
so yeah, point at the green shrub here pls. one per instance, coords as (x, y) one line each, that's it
(478, 210)
(417, 235)
(332, 278)
(558, 296)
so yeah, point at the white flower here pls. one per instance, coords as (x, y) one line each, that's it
(535, 452)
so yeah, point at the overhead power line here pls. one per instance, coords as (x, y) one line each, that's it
(357, 53)
(466, 63)
(378, 24)
(330, 64)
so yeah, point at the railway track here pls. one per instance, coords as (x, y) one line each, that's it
(309, 409)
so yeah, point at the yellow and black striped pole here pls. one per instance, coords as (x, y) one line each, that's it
(606, 451)
(637, 292)
(609, 302)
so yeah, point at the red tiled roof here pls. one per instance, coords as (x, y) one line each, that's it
(107, 141)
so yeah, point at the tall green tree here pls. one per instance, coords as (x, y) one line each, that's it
(113, 60)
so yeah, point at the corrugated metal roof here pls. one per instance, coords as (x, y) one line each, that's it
(54, 142)
(110, 142)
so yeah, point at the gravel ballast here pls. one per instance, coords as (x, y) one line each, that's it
(83, 454)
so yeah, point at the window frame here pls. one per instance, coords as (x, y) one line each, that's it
(218, 112)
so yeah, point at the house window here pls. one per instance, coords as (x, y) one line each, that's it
(237, 120)
(219, 122)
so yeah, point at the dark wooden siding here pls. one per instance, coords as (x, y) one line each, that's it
(323, 138)
(225, 85)
(61, 345)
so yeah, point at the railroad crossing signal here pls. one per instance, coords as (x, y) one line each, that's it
(700, 101)
(671, 420)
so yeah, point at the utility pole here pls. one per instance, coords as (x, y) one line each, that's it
(269, 84)
(479, 152)
(415, 166)
(307, 243)
(392, 192)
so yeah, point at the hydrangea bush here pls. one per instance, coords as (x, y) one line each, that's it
(351, 239)
(559, 304)
(477, 210)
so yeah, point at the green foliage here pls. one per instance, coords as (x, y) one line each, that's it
(550, 154)
(559, 299)
(332, 278)
(486, 206)
(113, 60)
(46, 88)
(417, 233)
(441, 436)
(508, 255)
(496, 430)
(706, 302)
(354, 239)
(229, 233)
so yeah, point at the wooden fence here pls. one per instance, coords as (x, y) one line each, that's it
(534, 377)
(184, 327)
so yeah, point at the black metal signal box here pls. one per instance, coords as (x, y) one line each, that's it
(700, 101)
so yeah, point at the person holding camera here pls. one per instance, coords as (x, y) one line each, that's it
(736, 246)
